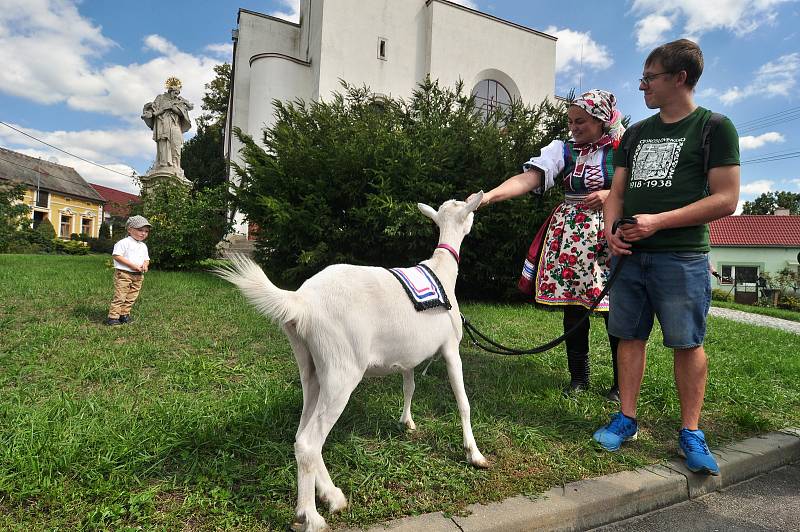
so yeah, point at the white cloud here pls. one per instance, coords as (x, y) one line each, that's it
(104, 147)
(291, 12)
(658, 17)
(575, 50)
(776, 78)
(651, 29)
(466, 3)
(221, 50)
(756, 188)
(751, 142)
(36, 35)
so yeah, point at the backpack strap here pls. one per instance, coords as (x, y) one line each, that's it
(632, 135)
(711, 124)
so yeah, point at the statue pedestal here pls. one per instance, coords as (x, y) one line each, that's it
(159, 176)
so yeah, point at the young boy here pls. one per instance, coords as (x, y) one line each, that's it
(130, 262)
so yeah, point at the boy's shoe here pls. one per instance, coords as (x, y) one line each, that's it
(621, 428)
(125, 319)
(112, 321)
(692, 446)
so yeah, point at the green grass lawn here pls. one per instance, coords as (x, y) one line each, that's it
(185, 419)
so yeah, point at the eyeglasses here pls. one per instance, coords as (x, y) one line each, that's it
(650, 77)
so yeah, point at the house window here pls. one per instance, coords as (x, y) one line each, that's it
(382, 48)
(489, 95)
(42, 198)
(739, 274)
(39, 217)
(66, 226)
(727, 275)
(86, 226)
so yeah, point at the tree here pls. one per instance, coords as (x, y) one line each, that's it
(215, 100)
(339, 182)
(185, 224)
(767, 202)
(203, 156)
(13, 213)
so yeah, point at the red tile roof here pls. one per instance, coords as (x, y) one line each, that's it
(118, 201)
(756, 231)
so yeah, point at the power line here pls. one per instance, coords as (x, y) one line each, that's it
(782, 120)
(767, 159)
(748, 123)
(38, 171)
(64, 151)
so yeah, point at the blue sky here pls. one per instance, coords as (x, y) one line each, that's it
(76, 73)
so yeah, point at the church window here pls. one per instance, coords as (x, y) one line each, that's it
(382, 48)
(489, 95)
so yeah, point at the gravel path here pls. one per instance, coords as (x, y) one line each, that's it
(756, 319)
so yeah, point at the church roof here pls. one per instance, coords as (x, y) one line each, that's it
(756, 231)
(53, 177)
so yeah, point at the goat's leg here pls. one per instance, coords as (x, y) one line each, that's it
(454, 371)
(408, 393)
(334, 393)
(308, 375)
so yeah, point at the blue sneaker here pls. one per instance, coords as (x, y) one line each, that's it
(692, 446)
(621, 428)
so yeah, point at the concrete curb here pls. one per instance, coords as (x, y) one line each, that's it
(598, 501)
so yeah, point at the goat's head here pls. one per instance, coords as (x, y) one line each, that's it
(453, 213)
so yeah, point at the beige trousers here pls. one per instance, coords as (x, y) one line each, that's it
(126, 289)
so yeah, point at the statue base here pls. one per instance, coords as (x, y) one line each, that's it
(161, 176)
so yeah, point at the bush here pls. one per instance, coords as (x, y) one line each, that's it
(13, 214)
(719, 294)
(70, 247)
(789, 303)
(186, 224)
(339, 182)
(105, 231)
(100, 245)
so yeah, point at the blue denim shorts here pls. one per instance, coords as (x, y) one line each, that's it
(673, 286)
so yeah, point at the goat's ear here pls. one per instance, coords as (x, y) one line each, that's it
(474, 200)
(428, 211)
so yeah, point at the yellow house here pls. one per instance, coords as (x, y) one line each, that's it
(55, 193)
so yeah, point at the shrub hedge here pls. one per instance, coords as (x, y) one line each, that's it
(338, 181)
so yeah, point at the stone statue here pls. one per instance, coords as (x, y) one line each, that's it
(168, 117)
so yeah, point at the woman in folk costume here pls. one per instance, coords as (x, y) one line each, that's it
(568, 263)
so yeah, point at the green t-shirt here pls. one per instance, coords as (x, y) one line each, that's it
(667, 174)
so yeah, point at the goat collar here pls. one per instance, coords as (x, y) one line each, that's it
(452, 251)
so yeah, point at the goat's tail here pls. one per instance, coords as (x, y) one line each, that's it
(283, 306)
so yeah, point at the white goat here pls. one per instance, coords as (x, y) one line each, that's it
(348, 322)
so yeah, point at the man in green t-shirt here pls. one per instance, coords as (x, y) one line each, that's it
(661, 181)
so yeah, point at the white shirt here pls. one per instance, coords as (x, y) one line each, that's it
(131, 249)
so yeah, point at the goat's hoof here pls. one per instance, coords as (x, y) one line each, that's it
(309, 522)
(409, 425)
(335, 500)
(480, 462)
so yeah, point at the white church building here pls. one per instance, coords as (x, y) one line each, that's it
(387, 45)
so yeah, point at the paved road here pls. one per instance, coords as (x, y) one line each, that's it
(755, 319)
(767, 502)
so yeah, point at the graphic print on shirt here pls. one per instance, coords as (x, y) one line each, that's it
(654, 162)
